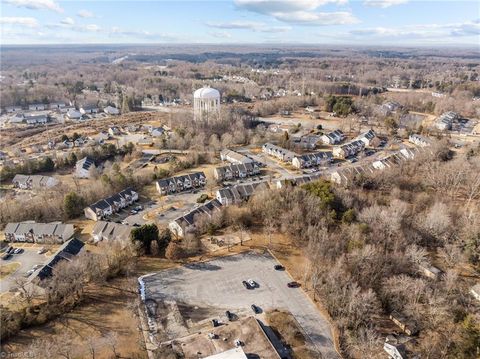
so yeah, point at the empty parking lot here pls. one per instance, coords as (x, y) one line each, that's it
(217, 284)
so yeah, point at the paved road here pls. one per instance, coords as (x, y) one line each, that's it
(27, 260)
(218, 284)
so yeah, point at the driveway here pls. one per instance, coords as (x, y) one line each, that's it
(27, 260)
(218, 284)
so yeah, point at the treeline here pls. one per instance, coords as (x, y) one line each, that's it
(47, 164)
(366, 245)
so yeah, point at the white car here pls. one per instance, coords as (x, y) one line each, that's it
(41, 250)
(252, 283)
(29, 273)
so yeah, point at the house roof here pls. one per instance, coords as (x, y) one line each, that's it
(61, 230)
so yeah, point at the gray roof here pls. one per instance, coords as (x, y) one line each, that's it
(61, 230)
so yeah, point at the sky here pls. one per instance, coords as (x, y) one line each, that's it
(338, 22)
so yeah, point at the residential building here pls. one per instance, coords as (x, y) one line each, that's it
(17, 118)
(33, 232)
(183, 224)
(394, 350)
(312, 159)
(234, 157)
(33, 182)
(85, 168)
(444, 121)
(56, 106)
(297, 181)
(36, 107)
(238, 193)
(110, 110)
(89, 109)
(35, 118)
(107, 231)
(281, 153)
(236, 171)
(66, 252)
(157, 131)
(419, 140)
(73, 114)
(12, 109)
(181, 183)
(306, 142)
(348, 149)
(345, 176)
(333, 138)
(110, 205)
(367, 137)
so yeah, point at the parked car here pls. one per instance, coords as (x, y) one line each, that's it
(36, 266)
(278, 267)
(229, 315)
(138, 208)
(133, 211)
(352, 159)
(10, 250)
(246, 285)
(6, 256)
(18, 250)
(252, 283)
(42, 250)
(214, 323)
(255, 309)
(293, 284)
(29, 273)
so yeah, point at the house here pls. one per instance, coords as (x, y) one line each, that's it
(12, 109)
(110, 110)
(36, 107)
(107, 231)
(444, 121)
(429, 271)
(85, 168)
(110, 205)
(345, 176)
(73, 114)
(333, 138)
(32, 232)
(114, 131)
(281, 153)
(236, 171)
(157, 131)
(297, 181)
(56, 106)
(389, 107)
(419, 140)
(67, 252)
(17, 118)
(407, 326)
(367, 137)
(35, 118)
(312, 160)
(33, 182)
(89, 109)
(183, 224)
(234, 157)
(394, 350)
(181, 183)
(348, 149)
(238, 193)
(307, 142)
(101, 137)
(475, 291)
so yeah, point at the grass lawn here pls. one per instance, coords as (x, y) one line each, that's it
(7, 269)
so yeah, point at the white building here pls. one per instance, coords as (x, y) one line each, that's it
(85, 167)
(74, 115)
(206, 104)
(110, 110)
(419, 140)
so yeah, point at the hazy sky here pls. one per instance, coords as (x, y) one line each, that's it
(369, 22)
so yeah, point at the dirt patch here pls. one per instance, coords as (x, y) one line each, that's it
(105, 310)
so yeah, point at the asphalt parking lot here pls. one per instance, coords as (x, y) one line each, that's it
(218, 284)
(27, 260)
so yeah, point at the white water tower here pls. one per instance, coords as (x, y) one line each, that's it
(206, 104)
